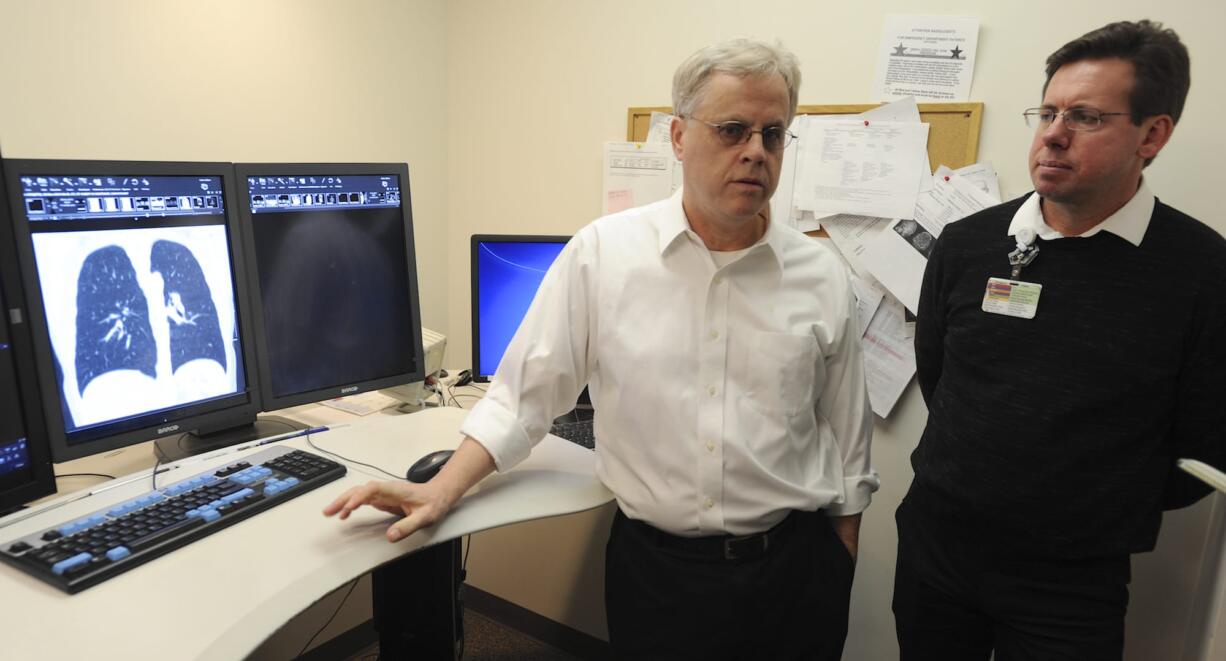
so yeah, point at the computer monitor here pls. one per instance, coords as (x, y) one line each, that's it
(136, 290)
(334, 278)
(506, 272)
(25, 459)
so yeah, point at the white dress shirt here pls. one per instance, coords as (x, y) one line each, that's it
(724, 396)
(1129, 222)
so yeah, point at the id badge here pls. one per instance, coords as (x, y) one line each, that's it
(1011, 298)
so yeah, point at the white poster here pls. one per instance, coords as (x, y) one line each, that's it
(928, 57)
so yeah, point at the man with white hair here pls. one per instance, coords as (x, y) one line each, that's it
(732, 419)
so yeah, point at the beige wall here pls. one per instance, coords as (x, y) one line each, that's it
(238, 80)
(500, 109)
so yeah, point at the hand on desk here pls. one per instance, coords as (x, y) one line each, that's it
(421, 504)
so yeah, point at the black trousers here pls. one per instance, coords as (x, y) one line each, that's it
(954, 601)
(677, 598)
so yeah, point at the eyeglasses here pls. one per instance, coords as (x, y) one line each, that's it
(1075, 119)
(774, 138)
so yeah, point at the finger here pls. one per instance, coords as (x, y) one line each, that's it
(335, 506)
(416, 520)
(355, 498)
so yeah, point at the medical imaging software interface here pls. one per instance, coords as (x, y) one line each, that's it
(331, 256)
(138, 291)
(509, 274)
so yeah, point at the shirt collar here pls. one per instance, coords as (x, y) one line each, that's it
(674, 225)
(1128, 223)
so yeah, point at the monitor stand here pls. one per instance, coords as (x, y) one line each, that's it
(174, 448)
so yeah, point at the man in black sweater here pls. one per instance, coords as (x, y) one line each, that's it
(1071, 345)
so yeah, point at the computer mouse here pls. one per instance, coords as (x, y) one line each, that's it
(428, 466)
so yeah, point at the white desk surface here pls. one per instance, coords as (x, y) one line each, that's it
(221, 596)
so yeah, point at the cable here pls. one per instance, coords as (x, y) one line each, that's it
(352, 461)
(109, 477)
(154, 475)
(353, 584)
(468, 546)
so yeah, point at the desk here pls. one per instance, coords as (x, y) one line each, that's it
(221, 596)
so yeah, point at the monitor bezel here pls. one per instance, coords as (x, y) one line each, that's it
(247, 232)
(17, 319)
(220, 413)
(475, 285)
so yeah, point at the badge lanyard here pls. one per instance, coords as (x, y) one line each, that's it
(1024, 254)
(1012, 297)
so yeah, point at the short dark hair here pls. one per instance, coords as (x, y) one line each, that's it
(1159, 61)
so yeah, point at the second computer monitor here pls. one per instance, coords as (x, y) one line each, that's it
(335, 290)
(506, 272)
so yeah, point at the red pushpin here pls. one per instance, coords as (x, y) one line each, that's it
(946, 177)
(866, 122)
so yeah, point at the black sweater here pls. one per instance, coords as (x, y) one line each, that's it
(1056, 436)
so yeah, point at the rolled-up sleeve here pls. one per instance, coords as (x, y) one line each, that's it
(845, 406)
(546, 365)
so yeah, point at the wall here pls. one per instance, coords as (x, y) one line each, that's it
(500, 109)
(231, 80)
(541, 84)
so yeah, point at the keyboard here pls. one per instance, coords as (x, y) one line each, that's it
(88, 550)
(579, 432)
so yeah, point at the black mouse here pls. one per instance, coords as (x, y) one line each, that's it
(428, 466)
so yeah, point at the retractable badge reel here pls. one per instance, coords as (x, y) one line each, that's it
(1013, 297)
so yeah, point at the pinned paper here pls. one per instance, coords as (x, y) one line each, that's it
(636, 173)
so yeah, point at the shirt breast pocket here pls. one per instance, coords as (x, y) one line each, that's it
(780, 370)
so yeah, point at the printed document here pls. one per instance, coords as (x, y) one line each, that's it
(864, 167)
(897, 256)
(636, 173)
(889, 357)
(928, 57)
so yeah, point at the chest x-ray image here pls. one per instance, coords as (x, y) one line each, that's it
(139, 320)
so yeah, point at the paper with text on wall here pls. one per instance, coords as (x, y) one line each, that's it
(864, 167)
(928, 57)
(897, 256)
(889, 357)
(635, 173)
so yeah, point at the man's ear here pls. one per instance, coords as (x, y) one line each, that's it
(676, 131)
(1157, 131)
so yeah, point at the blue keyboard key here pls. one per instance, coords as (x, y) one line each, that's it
(237, 495)
(210, 515)
(118, 553)
(75, 561)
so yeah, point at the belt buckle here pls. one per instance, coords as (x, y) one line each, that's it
(737, 548)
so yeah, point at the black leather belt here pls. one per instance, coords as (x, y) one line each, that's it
(718, 547)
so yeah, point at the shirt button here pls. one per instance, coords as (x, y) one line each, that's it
(710, 446)
(716, 280)
(714, 335)
(712, 390)
(708, 503)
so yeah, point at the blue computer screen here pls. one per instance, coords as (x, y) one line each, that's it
(508, 274)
